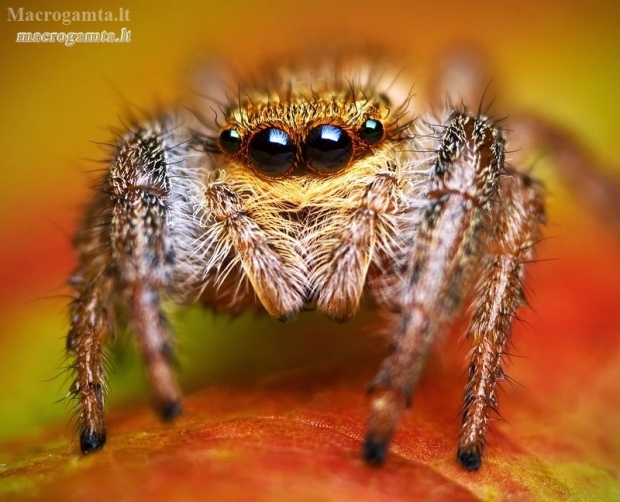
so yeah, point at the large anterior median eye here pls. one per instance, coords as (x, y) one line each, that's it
(272, 152)
(327, 148)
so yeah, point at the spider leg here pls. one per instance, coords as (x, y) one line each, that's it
(511, 244)
(461, 80)
(440, 266)
(92, 319)
(578, 168)
(143, 254)
(127, 255)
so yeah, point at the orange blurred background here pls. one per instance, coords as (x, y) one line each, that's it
(559, 58)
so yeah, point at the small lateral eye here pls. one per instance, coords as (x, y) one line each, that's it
(371, 131)
(272, 152)
(230, 140)
(328, 148)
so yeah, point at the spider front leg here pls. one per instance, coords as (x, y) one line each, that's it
(126, 257)
(510, 246)
(438, 273)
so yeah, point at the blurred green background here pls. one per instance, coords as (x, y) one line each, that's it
(560, 58)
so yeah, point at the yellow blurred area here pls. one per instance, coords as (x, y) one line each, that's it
(558, 57)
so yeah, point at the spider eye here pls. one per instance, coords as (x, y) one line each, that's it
(371, 131)
(272, 151)
(328, 148)
(230, 140)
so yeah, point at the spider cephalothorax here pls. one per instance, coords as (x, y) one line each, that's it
(311, 191)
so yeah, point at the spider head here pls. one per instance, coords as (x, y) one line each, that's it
(299, 136)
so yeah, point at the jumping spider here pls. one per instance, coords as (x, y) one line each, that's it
(311, 189)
